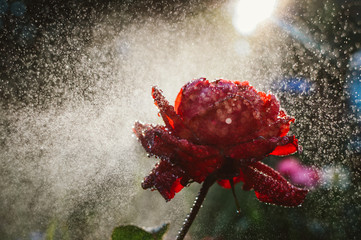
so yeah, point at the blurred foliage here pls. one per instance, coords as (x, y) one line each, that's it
(324, 215)
(57, 230)
(131, 232)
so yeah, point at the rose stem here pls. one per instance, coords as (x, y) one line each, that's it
(234, 195)
(196, 206)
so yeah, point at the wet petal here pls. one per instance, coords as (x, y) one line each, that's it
(193, 97)
(254, 149)
(198, 161)
(270, 108)
(226, 184)
(178, 100)
(271, 187)
(278, 128)
(166, 110)
(261, 147)
(226, 112)
(198, 169)
(182, 145)
(286, 149)
(199, 95)
(285, 122)
(152, 143)
(231, 120)
(165, 178)
(170, 117)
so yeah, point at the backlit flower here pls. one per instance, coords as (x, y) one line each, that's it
(220, 129)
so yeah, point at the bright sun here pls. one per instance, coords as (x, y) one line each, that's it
(248, 13)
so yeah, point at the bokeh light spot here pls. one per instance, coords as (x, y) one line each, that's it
(248, 14)
(18, 8)
(3, 6)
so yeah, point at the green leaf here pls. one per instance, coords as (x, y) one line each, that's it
(131, 232)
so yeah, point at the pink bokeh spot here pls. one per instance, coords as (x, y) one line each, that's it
(297, 173)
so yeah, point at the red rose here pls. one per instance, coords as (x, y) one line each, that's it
(221, 129)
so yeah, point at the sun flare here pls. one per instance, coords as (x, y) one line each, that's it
(248, 14)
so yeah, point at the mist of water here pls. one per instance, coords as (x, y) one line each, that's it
(71, 157)
(76, 159)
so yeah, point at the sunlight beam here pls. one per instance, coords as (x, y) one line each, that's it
(249, 13)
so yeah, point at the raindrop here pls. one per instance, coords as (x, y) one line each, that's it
(228, 120)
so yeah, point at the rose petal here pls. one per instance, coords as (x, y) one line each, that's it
(287, 149)
(170, 117)
(178, 100)
(270, 107)
(199, 95)
(166, 178)
(152, 143)
(229, 121)
(198, 169)
(182, 145)
(259, 148)
(197, 160)
(225, 112)
(271, 187)
(226, 184)
(278, 128)
(255, 149)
